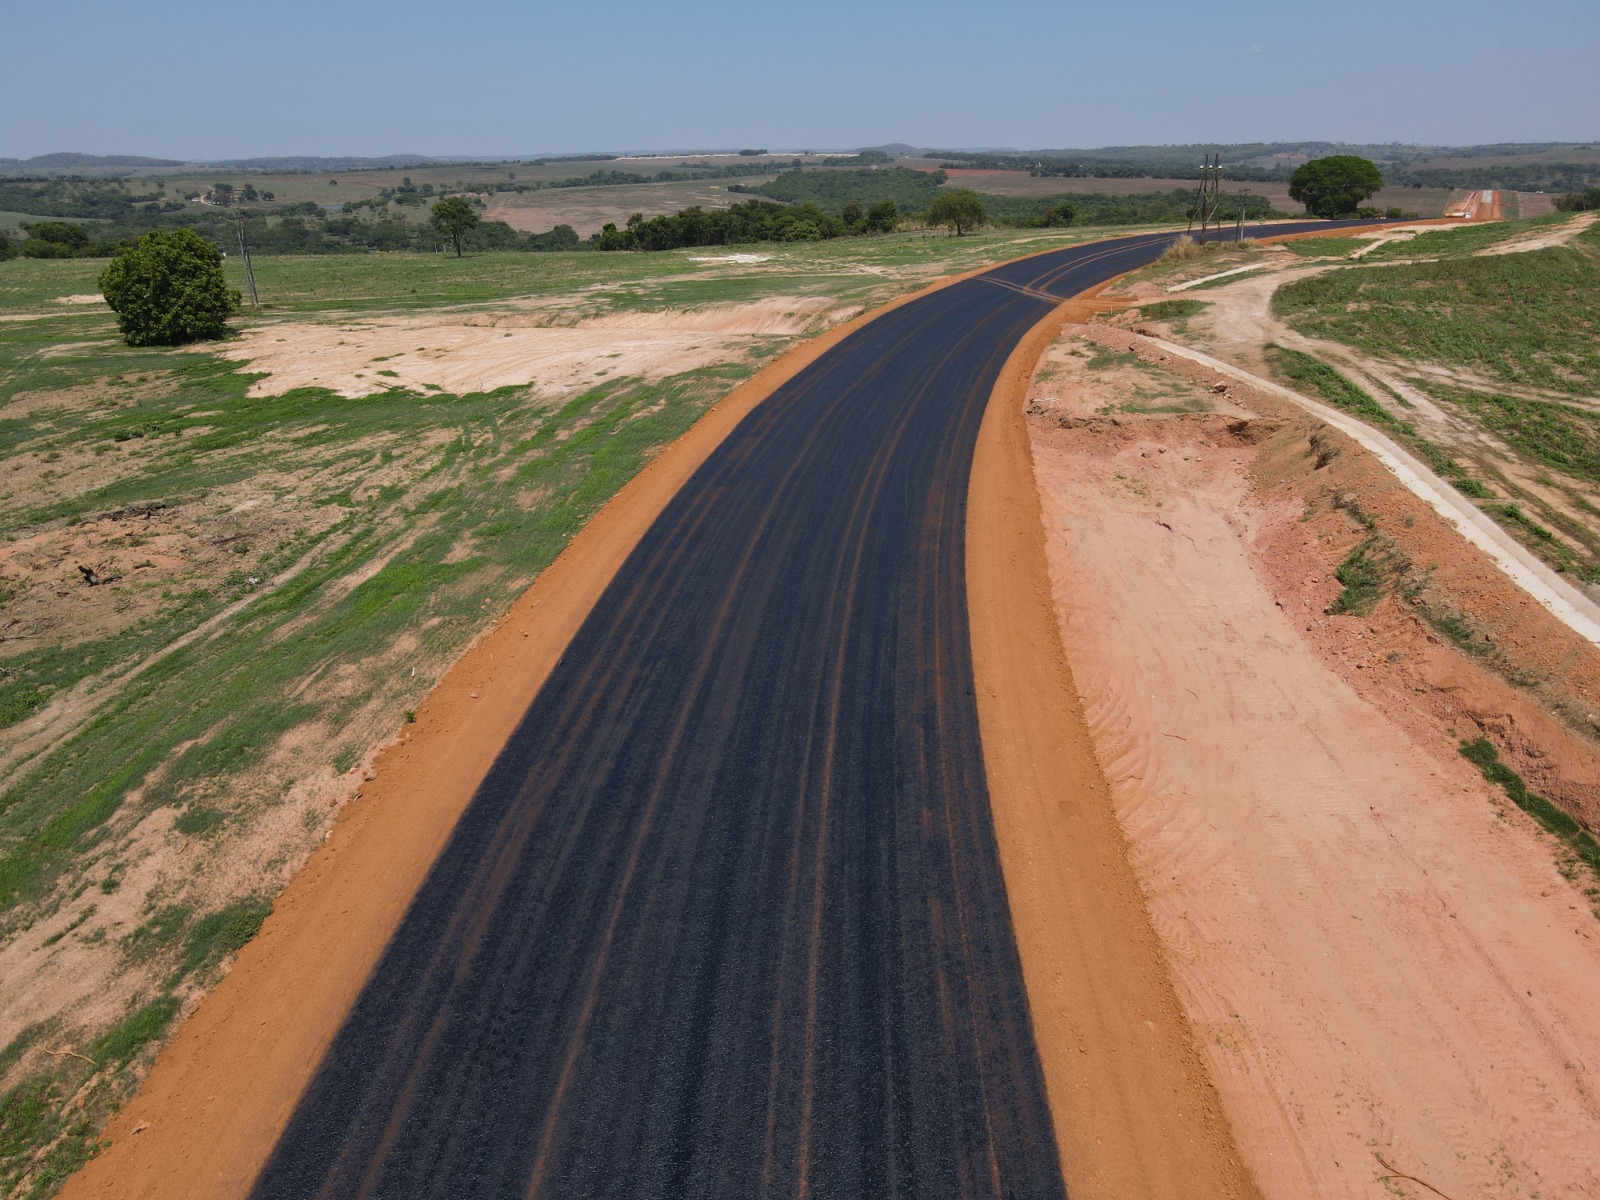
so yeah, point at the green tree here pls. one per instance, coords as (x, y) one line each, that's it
(8, 248)
(453, 217)
(1059, 214)
(168, 289)
(1334, 186)
(853, 216)
(959, 209)
(883, 217)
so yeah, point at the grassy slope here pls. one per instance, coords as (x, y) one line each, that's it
(1528, 319)
(1517, 321)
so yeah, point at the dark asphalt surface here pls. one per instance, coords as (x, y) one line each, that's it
(726, 919)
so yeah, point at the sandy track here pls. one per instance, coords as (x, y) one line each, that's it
(1541, 239)
(1572, 607)
(1377, 955)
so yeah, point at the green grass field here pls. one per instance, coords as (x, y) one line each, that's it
(1530, 319)
(315, 283)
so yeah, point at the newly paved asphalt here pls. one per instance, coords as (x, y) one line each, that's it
(726, 918)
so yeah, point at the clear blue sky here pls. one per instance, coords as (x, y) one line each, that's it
(176, 78)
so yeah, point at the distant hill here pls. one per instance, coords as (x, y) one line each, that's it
(293, 162)
(60, 162)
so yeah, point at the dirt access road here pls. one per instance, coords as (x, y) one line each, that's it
(1477, 206)
(805, 938)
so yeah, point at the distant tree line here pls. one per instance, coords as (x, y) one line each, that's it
(1058, 168)
(686, 173)
(1097, 208)
(861, 158)
(1519, 177)
(301, 228)
(73, 197)
(57, 239)
(1551, 176)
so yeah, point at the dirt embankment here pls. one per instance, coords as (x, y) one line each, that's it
(1389, 967)
(1135, 1110)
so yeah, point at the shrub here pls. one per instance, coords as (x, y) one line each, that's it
(169, 289)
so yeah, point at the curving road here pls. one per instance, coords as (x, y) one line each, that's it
(726, 918)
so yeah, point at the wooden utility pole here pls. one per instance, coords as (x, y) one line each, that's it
(244, 253)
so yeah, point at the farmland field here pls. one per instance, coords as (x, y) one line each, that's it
(586, 209)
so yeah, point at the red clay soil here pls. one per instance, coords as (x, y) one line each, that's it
(1136, 1113)
(1387, 969)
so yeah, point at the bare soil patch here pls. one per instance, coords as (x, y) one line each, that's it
(1543, 239)
(1535, 204)
(1381, 956)
(465, 351)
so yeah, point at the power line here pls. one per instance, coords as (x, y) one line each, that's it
(244, 253)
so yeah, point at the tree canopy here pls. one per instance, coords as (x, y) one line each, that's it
(750, 221)
(959, 209)
(1334, 186)
(1585, 201)
(169, 289)
(454, 217)
(60, 239)
(911, 191)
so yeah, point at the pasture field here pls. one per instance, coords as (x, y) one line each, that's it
(1480, 347)
(337, 187)
(1529, 319)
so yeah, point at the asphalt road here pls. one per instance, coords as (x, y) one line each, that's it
(726, 919)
